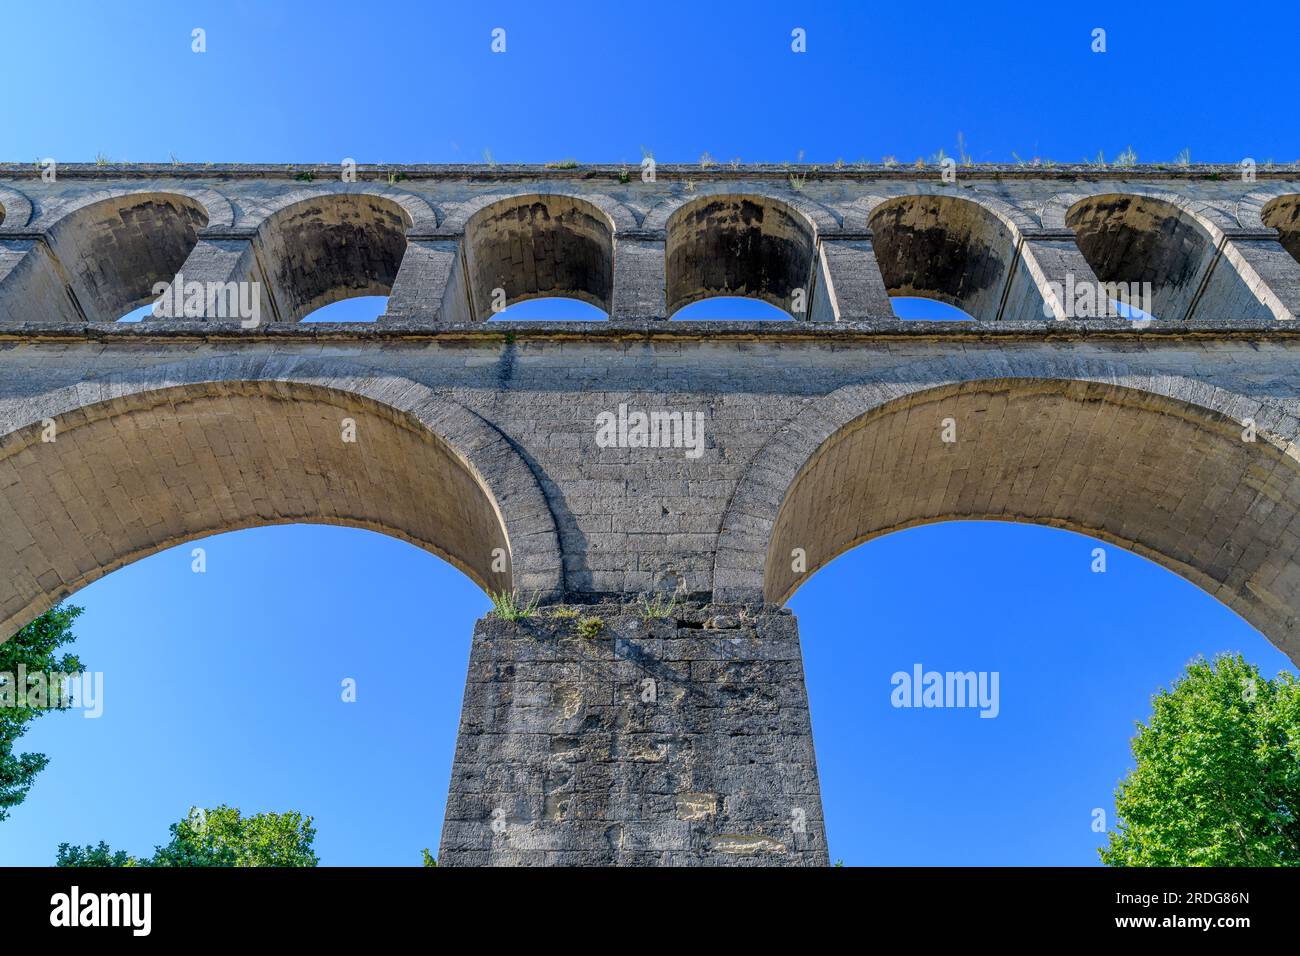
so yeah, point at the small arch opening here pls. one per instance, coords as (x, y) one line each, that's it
(138, 314)
(360, 308)
(119, 250)
(1151, 251)
(730, 308)
(551, 308)
(943, 248)
(740, 246)
(330, 248)
(1283, 214)
(920, 309)
(534, 247)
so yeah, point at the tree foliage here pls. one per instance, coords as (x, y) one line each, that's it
(101, 855)
(34, 649)
(218, 837)
(1217, 780)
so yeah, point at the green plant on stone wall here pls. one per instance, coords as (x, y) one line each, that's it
(655, 606)
(591, 628)
(505, 605)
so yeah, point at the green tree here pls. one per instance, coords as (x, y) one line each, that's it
(219, 837)
(1217, 780)
(100, 855)
(34, 650)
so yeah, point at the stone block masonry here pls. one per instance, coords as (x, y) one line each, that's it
(610, 738)
(607, 737)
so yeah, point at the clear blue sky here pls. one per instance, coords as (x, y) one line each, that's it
(218, 689)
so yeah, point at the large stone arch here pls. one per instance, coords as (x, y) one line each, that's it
(142, 462)
(1155, 464)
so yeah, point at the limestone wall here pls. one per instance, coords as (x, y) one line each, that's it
(613, 738)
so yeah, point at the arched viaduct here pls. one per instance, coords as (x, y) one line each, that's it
(480, 438)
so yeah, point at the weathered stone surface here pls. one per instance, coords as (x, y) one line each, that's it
(1178, 438)
(653, 741)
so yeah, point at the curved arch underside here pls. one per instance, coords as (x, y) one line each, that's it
(1172, 482)
(533, 246)
(333, 247)
(130, 477)
(1283, 214)
(1129, 238)
(739, 245)
(115, 251)
(946, 248)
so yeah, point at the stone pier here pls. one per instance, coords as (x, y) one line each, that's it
(604, 736)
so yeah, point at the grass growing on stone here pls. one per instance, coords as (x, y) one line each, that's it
(505, 605)
(591, 627)
(563, 613)
(654, 607)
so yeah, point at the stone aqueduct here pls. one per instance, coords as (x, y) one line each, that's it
(683, 739)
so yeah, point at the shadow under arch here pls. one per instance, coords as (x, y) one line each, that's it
(332, 246)
(114, 251)
(15, 210)
(751, 246)
(1283, 214)
(532, 246)
(1137, 239)
(1166, 479)
(955, 250)
(139, 473)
